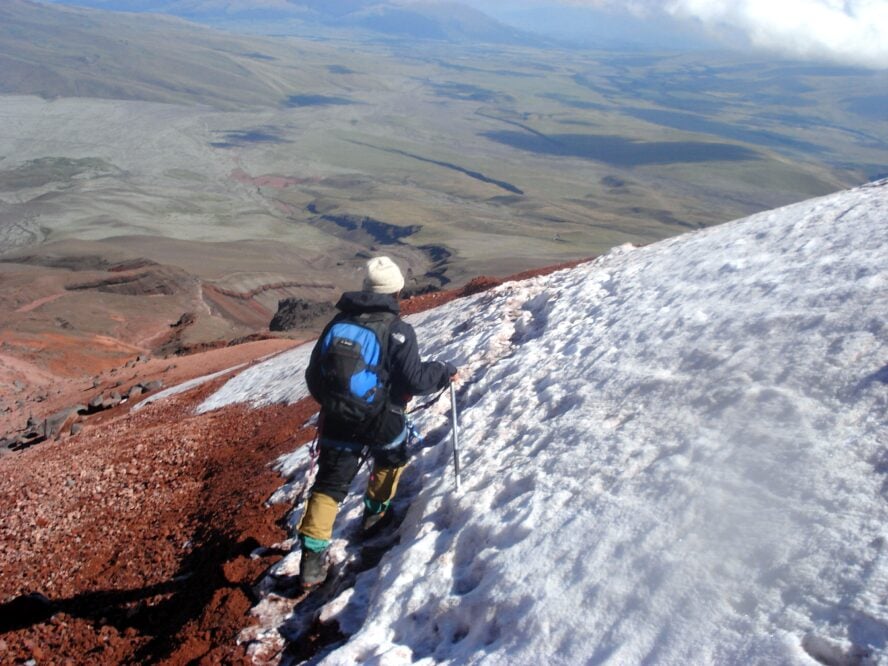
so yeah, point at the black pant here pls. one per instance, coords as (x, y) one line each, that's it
(337, 467)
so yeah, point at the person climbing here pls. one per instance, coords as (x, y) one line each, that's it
(364, 369)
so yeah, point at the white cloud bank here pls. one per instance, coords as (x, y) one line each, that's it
(850, 31)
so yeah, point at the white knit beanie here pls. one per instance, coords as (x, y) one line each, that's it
(383, 276)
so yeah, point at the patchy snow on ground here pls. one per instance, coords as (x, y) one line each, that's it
(184, 386)
(278, 380)
(674, 454)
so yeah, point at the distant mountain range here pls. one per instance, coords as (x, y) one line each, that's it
(56, 51)
(446, 21)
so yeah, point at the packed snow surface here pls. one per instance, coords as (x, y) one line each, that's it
(674, 454)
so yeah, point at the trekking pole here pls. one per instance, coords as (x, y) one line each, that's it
(314, 452)
(455, 430)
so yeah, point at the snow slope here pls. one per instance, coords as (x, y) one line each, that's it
(674, 454)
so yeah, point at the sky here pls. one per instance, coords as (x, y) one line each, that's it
(648, 476)
(854, 32)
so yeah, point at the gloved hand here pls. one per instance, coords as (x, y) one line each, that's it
(450, 371)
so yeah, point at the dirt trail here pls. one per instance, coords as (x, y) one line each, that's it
(18, 366)
(40, 301)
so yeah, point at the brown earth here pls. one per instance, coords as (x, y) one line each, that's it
(71, 380)
(138, 534)
(131, 542)
(476, 285)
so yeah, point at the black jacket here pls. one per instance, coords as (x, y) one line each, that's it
(408, 374)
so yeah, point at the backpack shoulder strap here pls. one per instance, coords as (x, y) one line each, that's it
(381, 323)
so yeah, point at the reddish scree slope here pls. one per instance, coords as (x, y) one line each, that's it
(131, 542)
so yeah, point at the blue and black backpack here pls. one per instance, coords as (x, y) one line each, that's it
(353, 366)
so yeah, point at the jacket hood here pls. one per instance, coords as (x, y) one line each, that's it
(364, 301)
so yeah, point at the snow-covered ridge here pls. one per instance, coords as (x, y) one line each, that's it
(279, 380)
(674, 454)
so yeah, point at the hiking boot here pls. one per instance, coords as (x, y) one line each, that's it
(312, 568)
(372, 520)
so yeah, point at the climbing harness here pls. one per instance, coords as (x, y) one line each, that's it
(413, 435)
(428, 404)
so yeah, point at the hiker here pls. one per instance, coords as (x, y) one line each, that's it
(346, 432)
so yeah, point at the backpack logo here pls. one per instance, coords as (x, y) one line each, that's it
(353, 368)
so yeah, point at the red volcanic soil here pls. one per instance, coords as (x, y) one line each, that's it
(131, 541)
(137, 532)
(67, 382)
(475, 286)
(269, 180)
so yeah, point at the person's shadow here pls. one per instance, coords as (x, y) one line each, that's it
(159, 611)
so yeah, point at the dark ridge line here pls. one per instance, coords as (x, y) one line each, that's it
(381, 232)
(526, 128)
(477, 175)
(247, 295)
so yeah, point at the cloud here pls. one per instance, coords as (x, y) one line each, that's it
(851, 31)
